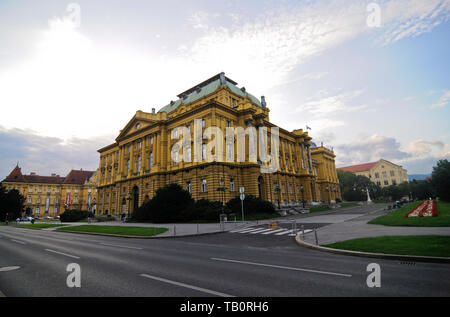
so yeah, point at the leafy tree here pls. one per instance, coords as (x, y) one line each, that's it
(354, 187)
(11, 203)
(73, 215)
(203, 209)
(441, 179)
(168, 205)
(252, 205)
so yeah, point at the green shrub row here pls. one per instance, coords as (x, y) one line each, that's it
(172, 203)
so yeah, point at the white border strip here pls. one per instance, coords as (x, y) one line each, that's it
(200, 289)
(71, 256)
(282, 267)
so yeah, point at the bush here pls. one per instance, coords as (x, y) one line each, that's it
(203, 209)
(168, 205)
(73, 215)
(252, 205)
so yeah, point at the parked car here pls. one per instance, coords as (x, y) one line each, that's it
(47, 217)
(56, 217)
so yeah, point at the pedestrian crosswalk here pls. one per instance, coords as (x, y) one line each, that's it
(275, 232)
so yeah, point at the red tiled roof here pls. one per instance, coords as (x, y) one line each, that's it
(358, 168)
(78, 177)
(16, 176)
(74, 177)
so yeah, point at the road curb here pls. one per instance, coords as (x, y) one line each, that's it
(409, 258)
(142, 237)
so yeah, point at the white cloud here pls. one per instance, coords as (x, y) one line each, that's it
(443, 100)
(410, 18)
(421, 147)
(333, 104)
(73, 86)
(370, 149)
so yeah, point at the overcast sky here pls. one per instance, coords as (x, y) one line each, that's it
(371, 78)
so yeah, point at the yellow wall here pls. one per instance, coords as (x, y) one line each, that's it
(133, 144)
(385, 173)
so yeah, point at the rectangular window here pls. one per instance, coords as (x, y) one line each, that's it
(128, 167)
(203, 151)
(392, 173)
(204, 186)
(188, 187)
(203, 123)
(377, 175)
(386, 183)
(150, 161)
(232, 185)
(151, 140)
(138, 166)
(188, 154)
(384, 174)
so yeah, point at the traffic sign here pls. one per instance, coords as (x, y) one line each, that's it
(242, 196)
(241, 190)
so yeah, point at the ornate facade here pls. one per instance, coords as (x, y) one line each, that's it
(51, 195)
(142, 158)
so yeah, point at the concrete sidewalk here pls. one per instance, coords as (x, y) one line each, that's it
(174, 229)
(359, 228)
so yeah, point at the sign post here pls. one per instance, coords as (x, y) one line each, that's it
(242, 196)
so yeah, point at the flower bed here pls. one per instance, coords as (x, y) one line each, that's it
(428, 208)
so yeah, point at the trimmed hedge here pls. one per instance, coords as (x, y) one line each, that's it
(252, 205)
(73, 215)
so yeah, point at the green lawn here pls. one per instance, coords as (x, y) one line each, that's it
(344, 205)
(39, 225)
(319, 208)
(427, 245)
(397, 217)
(119, 230)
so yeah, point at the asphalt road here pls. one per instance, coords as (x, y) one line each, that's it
(224, 264)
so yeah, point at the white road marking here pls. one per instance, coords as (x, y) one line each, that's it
(259, 231)
(9, 268)
(273, 231)
(300, 232)
(57, 252)
(204, 290)
(282, 267)
(284, 232)
(246, 230)
(17, 241)
(121, 246)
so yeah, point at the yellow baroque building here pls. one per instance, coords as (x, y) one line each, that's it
(142, 158)
(52, 195)
(382, 172)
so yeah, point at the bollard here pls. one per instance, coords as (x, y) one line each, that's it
(197, 229)
(303, 232)
(315, 233)
(174, 230)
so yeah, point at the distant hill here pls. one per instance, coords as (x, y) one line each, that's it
(418, 177)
